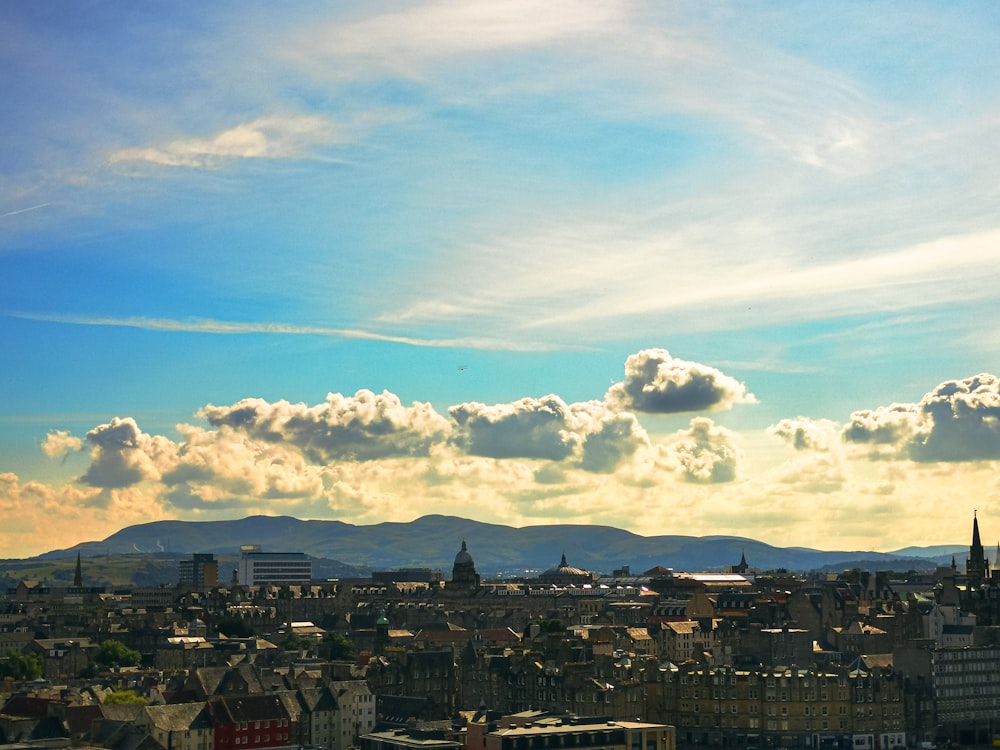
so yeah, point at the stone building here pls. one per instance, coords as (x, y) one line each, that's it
(779, 706)
(464, 578)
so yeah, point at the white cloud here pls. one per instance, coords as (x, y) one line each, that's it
(587, 434)
(218, 466)
(60, 443)
(705, 453)
(657, 383)
(363, 427)
(529, 428)
(271, 137)
(957, 421)
(803, 433)
(677, 280)
(122, 455)
(39, 517)
(406, 41)
(224, 328)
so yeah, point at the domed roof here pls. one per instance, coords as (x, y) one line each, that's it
(463, 557)
(564, 570)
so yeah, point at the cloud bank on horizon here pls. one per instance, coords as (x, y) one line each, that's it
(368, 457)
(675, 267)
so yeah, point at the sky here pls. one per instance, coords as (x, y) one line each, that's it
(674, 267)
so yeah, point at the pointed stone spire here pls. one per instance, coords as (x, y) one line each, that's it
(977, 566)
(78, 575)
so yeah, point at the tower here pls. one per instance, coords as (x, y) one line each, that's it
(977, 566)
(78, 575)
(744, 566)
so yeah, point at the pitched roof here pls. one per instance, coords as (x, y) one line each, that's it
(252, 707)
(179, 717)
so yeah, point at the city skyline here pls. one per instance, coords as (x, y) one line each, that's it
(671, 267)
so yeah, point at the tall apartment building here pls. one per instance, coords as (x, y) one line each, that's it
(201, 572)
(259, 568)
(963, 687)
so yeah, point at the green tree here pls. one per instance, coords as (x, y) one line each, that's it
(234, 627)
(121, 697)
(112, 653)
(20, 666)
(295, 642)
(338, 646)
(551, 626)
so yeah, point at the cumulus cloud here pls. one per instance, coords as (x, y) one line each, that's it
(39, 517)
(656, 382)
(363, 427)
(123, 455)
(957, 421)
(272, 137)
(532, 459)
(60, 443)
(964, 419)
(216, 466)
(618, 438)
(587, 433)
(528, 428)
(890, 427)
(706, 453)
(803, 433)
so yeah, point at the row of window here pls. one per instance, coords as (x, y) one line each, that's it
(753, 679)
(266, 724)
(267, 739)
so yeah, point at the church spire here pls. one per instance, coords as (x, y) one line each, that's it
(78, 575)
(744, 566)
(977, 566)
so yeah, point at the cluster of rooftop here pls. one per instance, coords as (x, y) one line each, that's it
(744, 657)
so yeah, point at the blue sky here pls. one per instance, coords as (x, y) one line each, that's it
(675, 267)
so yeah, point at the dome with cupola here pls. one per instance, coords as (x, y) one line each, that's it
(565, 574)
(463, 572)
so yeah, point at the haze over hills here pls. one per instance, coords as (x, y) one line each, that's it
(432, 542)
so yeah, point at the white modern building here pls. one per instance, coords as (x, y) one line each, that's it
(259, 568)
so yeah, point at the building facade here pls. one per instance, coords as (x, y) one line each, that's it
(259, 568)
(201, 572)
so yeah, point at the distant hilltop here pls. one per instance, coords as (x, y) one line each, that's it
(432, 541)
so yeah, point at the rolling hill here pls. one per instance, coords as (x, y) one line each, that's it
(432, 541)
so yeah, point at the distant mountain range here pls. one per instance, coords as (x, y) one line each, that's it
(433, 541)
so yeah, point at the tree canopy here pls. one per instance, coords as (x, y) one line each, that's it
(296, 642)
(338, 646)
(234, 627)
(20, 666)
(121, 697)
(112, 653)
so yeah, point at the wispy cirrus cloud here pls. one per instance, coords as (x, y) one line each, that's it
(24, 210)
(270, 137)
(403, 41)
(220, 327)
(682, 275)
